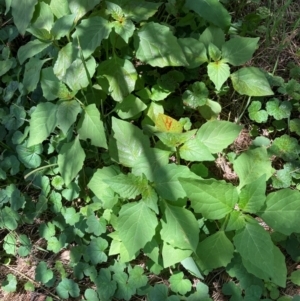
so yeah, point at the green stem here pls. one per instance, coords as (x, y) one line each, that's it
(177, 156)
(38, 169)
(242, 114)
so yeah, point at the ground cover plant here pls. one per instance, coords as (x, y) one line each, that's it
(144, 152)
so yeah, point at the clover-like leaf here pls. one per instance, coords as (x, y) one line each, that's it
(67, 287)
(42, 273)
(180, 285)
(295, 126)
(285, 147)
(197, 97)
(255, 112)
(278, 109)
(10, 284)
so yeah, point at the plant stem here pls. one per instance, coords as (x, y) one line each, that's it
(40, 168)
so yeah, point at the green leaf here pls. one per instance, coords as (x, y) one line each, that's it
(252, 195)
(279, 109)
(212, 11)
(295, 126)
(130, 107)
(29, 156)
(67, 287)
(90, 33)
(127, 186)
(95, 250)
(136, 226)
(90, 126)
(32, 73)
(217, 135)
(5, 66)
(236, 221)
(166, 181)
(45, 18)
(71, 216)
(26, 246)
(66, 115)
(76, 75)
(81, 7)
(106, 287)
(91, 295)
(212, 35)
(194, 52)
(137, 278)
(281, 211)
(128, 143)
(214, 251)
(239, 50)
(171, 139)
(31, 49)
(42, 273)
(56, 244)
(29, 286)
(158, 47)
(251, 81)
(62, 26)
(179, 227)
(47, 230)
(70, 160)
(213, 199)
(10, 284)
(10, 244)
(295, 277)
(42, 123)
(95, 225)
(214, 52)
(218, 73)
(190, 265)
(195, 150)
(197, 97)
(173, 255)
(22, 13)
(255, 112)
(121, 76)
(255, 245)
(160, 292)
(251, 165)
(180, 285)
(285, 147)
(125, 290)
(101, 189)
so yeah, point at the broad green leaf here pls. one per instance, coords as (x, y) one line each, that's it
(127, 186)
(239, 50)
(95, 250)
(124, 28)
(217, 135)
(137, 278)
(125, 290)
(42, 273)
(295, 126)
(10, 244)
(47, 230)
(106, 287)
(255, 112)
(281, 211)
(70, 160)
(22, 13)
(255, 245)
(173, 255)
(214, 52)
(212, 11)
(279, 109)
(158, 47)
(17, 200)
(236, 221)
(213, 199)
(166, 181)
(60, 8)
(213, 35)
(195, 150)
(175, 139)
(67, 287)
(42, 123)
(180, 285)
(280, 268)
(251, 81)
(197, 97)
(71, 216)
(285, 147)
(68, 54)
(90, 126)
(136, 226)
(63, 26)
(190, 265)
(76, 76)
(194, 52)
(91, 295)
(81, 7)
(66, 115)
(32, 73)
(52, 87)
(95, 225)
(45, 18)
(138, 10)
(215, 251)
(31, 49)
(160, 292)
(130, 107)
(179, 228)
(150, 198)
(90, 33)
(218, 73)
(252, 195)
(121, 76)
(9, 285)
(8, 218)
(251, 165)
(101, 189)
(29, 156)
(295, 277)
(128, 143)
(5, 66)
